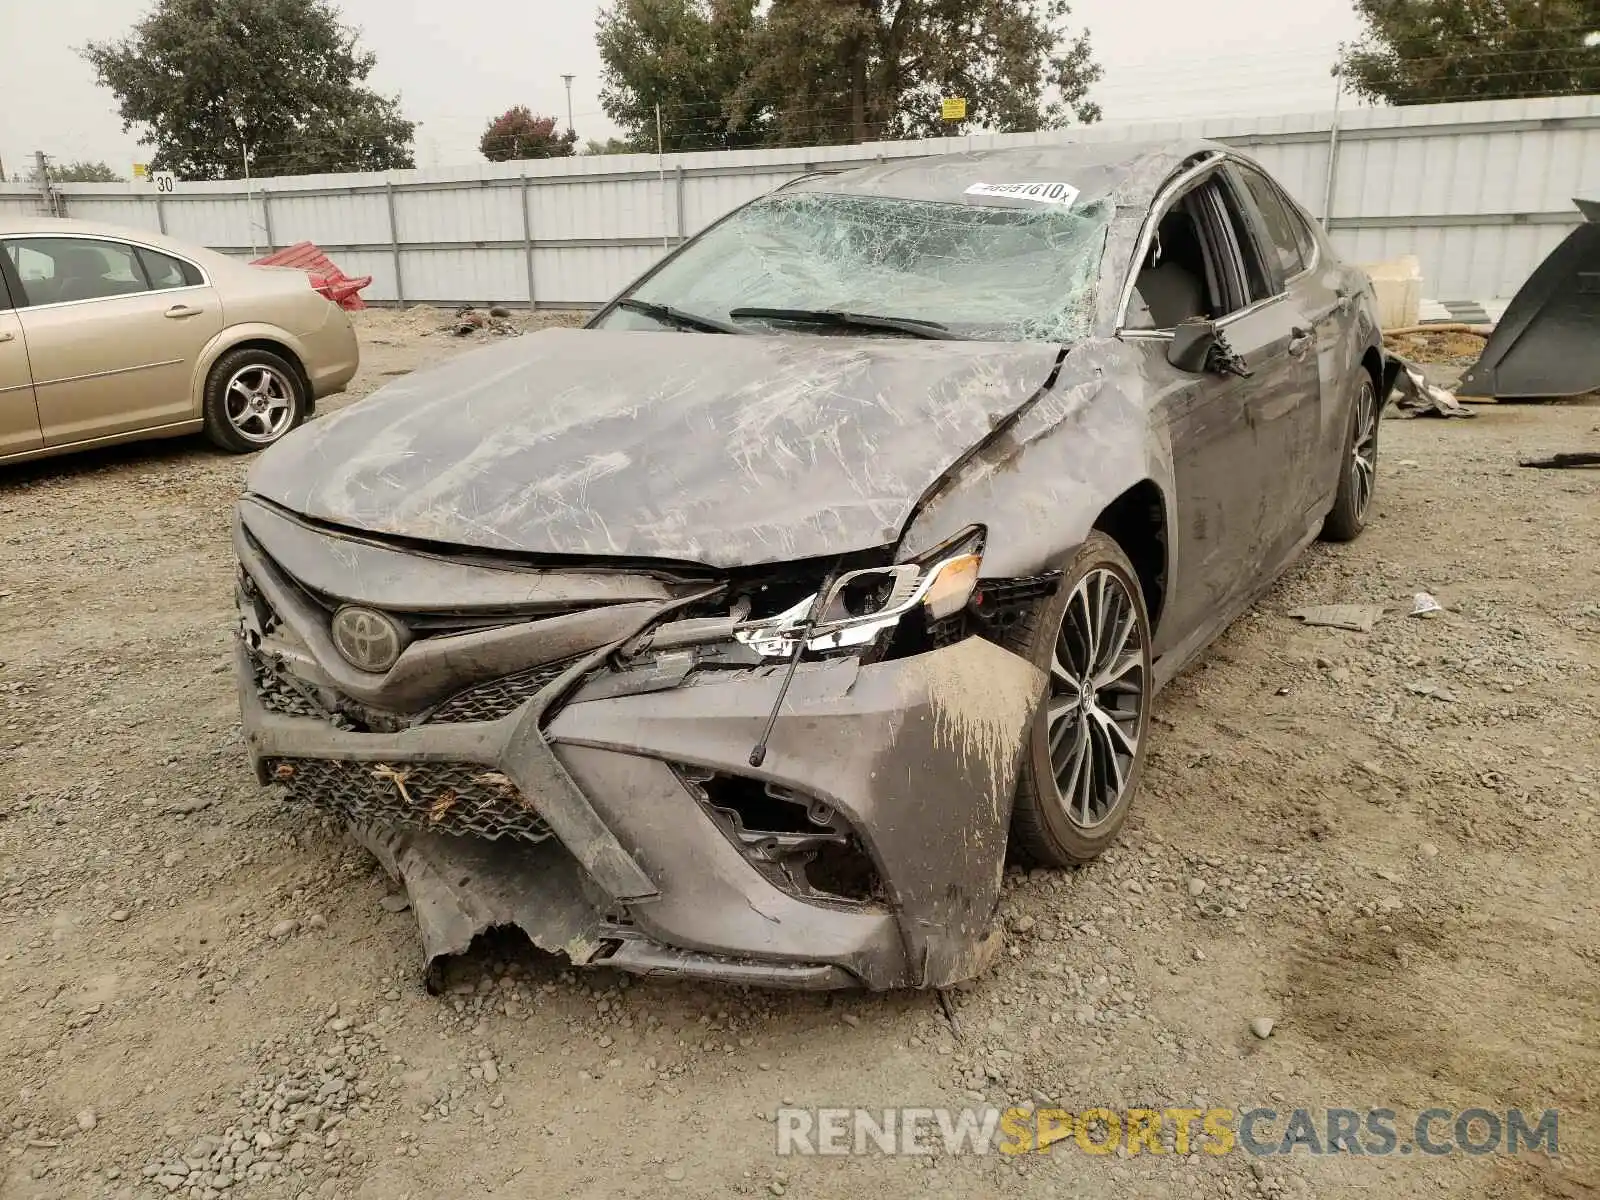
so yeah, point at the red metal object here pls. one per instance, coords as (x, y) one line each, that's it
(325, 277)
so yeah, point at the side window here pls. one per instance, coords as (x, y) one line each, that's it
(1258, 281)
(7, 268)
(57, 270)
(1177, 281)
(1283, 226)
(1303, 235)
(1193, 267)
(164, 271)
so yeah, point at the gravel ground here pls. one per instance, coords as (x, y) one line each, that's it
(1383, 844)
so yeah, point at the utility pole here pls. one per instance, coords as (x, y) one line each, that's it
(567, 79)
(249, 196)
(41, 170)
(661, 167)
(1332, 174)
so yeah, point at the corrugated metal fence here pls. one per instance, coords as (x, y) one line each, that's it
(1480, 192)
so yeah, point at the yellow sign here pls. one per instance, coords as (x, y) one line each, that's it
(953, 108)
(141, 170)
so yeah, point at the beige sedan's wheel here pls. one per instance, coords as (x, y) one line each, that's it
(253, 398)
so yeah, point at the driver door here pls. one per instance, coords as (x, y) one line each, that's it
(1229, 434)
(19, 415)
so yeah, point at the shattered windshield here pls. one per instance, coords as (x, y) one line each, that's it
(985, 273)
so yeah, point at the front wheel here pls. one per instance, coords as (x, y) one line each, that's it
(1086, 749)
(253, 398)
(1358, 473)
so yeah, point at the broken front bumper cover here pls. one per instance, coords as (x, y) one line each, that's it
(628, 865)
(583, 771)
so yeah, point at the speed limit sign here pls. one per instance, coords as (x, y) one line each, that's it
(165, 181)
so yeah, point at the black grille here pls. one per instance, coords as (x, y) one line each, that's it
(444, 797)
(278, 694)
(492, 700)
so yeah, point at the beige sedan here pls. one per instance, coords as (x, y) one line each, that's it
(113, 335)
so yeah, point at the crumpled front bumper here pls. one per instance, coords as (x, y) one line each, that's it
(918, 756)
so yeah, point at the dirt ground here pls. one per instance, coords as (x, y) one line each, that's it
(1384, 842)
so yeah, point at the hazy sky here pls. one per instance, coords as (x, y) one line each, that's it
(456, 64)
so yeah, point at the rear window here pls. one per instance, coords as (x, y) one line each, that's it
(164, 271)
(1281, 225)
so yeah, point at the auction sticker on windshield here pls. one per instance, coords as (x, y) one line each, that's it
(1041, 193)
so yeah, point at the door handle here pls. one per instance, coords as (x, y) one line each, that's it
(1300, 339)
(7, 336)
(179, 311)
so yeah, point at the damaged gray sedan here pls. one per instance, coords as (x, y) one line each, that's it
(741, 634)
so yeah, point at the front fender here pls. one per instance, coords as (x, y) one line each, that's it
(1041, 486)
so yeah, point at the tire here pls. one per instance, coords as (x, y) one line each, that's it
(253, 398)
(1047, 829)
(1358, 466)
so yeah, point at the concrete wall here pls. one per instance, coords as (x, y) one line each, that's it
(1479, 192)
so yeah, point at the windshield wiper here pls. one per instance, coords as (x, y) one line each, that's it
(846, 320)
(668, 315)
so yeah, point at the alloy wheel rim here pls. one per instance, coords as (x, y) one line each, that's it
(259, 403)
(1094, 714)
(1364, 449)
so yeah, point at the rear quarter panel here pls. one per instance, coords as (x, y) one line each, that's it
(280, 306)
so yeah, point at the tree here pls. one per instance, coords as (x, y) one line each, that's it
(204, 79)
(688, 56)
(1429, 51)
(732, 72)
(84, 172)
(520, 133)
(860, 70)
(609, 146)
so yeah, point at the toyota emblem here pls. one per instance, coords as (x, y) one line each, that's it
(366, 639)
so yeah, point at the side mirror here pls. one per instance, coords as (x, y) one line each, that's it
(1190, 348)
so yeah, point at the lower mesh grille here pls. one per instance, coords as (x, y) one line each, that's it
(444, 797)
(492, 700)
(277, 694)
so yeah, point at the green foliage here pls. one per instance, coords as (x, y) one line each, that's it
(732, 73)
(611, 146)
(83, 172)
(1432, 51)
(521, 133)
(202, 79)
(689, 56)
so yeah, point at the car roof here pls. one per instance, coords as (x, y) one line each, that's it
(1128, 173)
(41, 226)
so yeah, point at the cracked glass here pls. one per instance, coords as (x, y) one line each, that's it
(985, 272)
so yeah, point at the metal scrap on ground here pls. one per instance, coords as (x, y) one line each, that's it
(1423, 399)
(469, 320)
(1358, 618)
(1563, 461)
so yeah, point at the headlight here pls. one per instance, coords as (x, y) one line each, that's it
(860, 605)
(951, 585)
